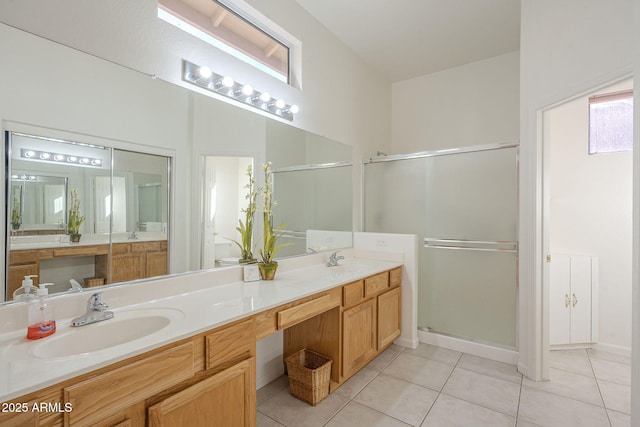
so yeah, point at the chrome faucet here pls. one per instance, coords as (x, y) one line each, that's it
(133, 236)
(96, 312)
(333, 259)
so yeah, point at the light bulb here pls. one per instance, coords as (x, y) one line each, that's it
(204, 72)
(227, 81)
(96, 162)
(247, 90)
(45, 156)
(84, 160)
(29, 153)
(72, 159)
(58, 157)
(265, 97)
(280, 103)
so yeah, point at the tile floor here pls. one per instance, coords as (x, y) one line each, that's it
(432, 386)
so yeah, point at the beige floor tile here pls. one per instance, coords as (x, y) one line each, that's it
(399, 399)
(418, 370)
(595, 353)
(568, 384)
(483, 390)
(552, 410)
(271, 389)
(356, 383)
(612, 371)
(263, 421)
(521, 423)
(451, 412)
(383, 359)
(438, 354)
(355, 414)
(291, 412)
(576, 361)
(616, 396)
(619, 419)
(503, 371)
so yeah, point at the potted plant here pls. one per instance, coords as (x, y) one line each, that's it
(246, 228)
(270, 237)
(75, 220)
(16, 215)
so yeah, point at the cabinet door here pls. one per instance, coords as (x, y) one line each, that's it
(358, 336)
(127, 267)
(156, 264)
(388, 317)
(16, 275)
(225, 399)
(559, 299)
(580, 299)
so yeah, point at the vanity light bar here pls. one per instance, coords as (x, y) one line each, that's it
(203, 77)
(47, 156)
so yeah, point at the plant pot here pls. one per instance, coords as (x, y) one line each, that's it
(15, 225)
(268, 271)
(75, 238)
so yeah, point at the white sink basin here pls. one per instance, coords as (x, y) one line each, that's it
(125, 327)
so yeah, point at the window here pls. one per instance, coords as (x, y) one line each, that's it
(228, 30)
(611, 122)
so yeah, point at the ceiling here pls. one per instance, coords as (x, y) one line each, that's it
(404, 39)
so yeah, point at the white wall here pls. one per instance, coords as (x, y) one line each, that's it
(566, 48)
(590, 212)
(473, 104)
(635, 353)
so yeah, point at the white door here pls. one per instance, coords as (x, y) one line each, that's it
(560, 300)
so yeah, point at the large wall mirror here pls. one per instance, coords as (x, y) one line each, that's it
(122, 198)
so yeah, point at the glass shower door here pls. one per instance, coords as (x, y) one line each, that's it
(464, 208)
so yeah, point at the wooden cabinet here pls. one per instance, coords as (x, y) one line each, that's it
(129, 261)
(359, 336)
(388, 317)
(224, 399)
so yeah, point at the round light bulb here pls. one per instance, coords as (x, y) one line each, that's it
(265, 97)
(29, 153)
(280, 103)
(247, 90)
(294, 109)
(72, 158)
(205, 72)
(58, 157)
(84, 160)
(45, 156)
(227, 81)
(96, 162)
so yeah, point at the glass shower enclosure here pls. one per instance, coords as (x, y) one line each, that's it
(463, 205)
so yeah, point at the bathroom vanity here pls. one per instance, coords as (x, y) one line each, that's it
(198, 365)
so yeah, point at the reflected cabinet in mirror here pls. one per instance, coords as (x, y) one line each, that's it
(81, 215)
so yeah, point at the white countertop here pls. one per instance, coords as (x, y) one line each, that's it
(62, 240)
(192, 311)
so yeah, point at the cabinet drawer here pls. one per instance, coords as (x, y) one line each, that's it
(231, 343)
(376, 284)
(395, 277)
(101, 396)
(352, 293)
(304, 311)
(120, 248)
(145, 247)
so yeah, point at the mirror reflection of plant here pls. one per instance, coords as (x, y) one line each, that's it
(269, 236)
(16, 215)
(75, 220)
(246, 228)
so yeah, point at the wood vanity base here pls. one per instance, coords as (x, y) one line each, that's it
(209, 379)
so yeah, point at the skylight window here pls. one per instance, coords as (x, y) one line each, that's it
(611, 122)
(224, 28)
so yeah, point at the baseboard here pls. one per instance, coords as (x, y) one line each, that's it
(614, 349)
(481, 350)
(409, 343)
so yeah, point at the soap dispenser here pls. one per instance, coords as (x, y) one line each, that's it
(26, 292)
(41, 323)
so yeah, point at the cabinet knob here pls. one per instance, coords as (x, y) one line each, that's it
(575, 300)
(567, 300)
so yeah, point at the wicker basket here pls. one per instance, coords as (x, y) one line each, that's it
(309, 375)
(93, 281)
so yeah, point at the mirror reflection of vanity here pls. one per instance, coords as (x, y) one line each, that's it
(128, 114)
(123, 197)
